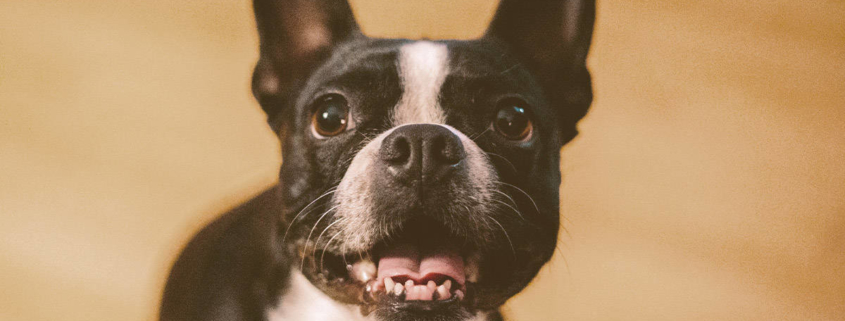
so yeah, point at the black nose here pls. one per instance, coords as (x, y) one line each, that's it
(421, 152)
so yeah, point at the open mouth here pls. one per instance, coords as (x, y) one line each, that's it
(423, 267)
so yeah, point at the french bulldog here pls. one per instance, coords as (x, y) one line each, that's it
(420, 178)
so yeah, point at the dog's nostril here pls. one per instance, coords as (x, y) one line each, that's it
(447, 150)
(398, 151)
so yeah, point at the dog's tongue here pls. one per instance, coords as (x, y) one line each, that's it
(405, 261)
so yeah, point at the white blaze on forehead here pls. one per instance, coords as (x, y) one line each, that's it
(423, 67)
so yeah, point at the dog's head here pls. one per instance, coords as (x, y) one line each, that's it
(421, 178)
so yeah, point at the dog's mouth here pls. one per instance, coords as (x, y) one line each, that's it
(423, 266)
(426, 263)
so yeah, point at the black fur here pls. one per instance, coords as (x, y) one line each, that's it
(534, 51)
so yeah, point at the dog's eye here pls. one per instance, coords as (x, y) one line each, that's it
(512, 120)
(331, 116)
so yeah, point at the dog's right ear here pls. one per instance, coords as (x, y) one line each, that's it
(552, 38)
(295, 37)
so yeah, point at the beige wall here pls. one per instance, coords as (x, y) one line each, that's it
(707, 184)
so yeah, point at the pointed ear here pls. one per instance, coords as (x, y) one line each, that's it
(295, 37)
(552, 38)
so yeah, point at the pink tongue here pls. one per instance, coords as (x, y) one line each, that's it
(406, 261)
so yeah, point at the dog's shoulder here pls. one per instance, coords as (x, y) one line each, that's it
(226, 272)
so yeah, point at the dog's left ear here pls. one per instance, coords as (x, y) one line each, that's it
(552, 38)
(295, 37)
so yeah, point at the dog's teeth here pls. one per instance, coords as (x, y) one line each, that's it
(398, 289)
(431, 286)
(412, 293)
(443, 293)
(448, 285)
(409, 284)
(388, 284)
(428, 293)
(362, 271)
(459, 294)
(369, 292)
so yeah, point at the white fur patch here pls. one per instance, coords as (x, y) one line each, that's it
(303, 301)
(480, 316)
(354, 197)
(423, 67)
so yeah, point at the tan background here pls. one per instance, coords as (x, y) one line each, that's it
(708, 183)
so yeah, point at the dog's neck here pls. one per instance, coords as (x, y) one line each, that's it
(303, 301)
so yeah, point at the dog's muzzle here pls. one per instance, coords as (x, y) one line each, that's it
(421, 159)
(408, 221)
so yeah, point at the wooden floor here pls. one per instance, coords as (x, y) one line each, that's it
(707, 184)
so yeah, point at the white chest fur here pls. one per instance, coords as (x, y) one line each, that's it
(304, 302)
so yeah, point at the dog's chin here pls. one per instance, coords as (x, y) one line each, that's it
(422, 272)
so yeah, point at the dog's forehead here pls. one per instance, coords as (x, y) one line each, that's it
(406, 80)
(475, 57)
(471, 58)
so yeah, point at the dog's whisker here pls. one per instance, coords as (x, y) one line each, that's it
(327, 193)
(505, 195)
(474, 137)
(469, 214)
(505, 159)
(326, 248)
(317, 242)
(342, 251)
(313, 210)
(563, 257)
(305, 250)
(511, 207)
(513, 250)
(524, 193)
(510, 68)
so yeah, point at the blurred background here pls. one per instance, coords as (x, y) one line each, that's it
(708, 182)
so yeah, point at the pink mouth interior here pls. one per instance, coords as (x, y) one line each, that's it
(404, 261)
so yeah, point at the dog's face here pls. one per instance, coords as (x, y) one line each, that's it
(421, 178)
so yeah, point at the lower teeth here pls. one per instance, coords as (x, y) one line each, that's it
(411, 292)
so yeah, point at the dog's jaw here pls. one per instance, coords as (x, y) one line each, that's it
(303, 301)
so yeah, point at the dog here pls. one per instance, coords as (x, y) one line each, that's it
(420, 178)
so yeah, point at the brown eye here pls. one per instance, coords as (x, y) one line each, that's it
(331, 116)
(512, 120)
